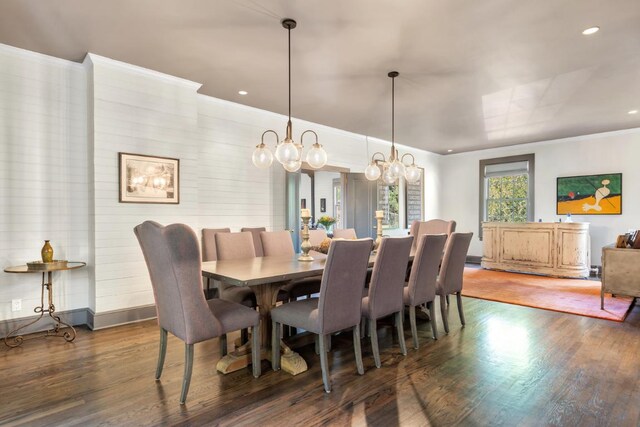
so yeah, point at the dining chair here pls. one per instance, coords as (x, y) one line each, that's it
(433, 226)
(209, 253)
(421, 287)
(337, 308)
(277, 243)
(172, 256)
(255, 233)
(231, 246)
(317, 236)
(452, 273)
(344, 233)
(386, 289)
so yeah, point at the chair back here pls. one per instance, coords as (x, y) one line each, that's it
(340, 304)
(424, 271)
(452, 269)
(317, 236)
(255, 233)
(235, 245)
(173, 260)
(209, 252)
(433, 226)
(387, 279)
(277, 243)
(344, 233)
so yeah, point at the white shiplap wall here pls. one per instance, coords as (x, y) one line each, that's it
(43, 175)
(72, 120)
(136, 111)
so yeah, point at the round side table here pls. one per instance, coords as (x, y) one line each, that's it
(13, 339)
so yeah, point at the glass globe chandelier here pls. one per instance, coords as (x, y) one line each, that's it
(394, 167)
(288, 153)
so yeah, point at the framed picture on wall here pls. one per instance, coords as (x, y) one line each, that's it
(303, 203)
(414, 200)
(589, 194)
(323, 205)
(148, 179)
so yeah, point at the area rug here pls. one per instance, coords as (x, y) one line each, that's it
(575, 296)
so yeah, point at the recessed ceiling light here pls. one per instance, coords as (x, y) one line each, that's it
(590, 31)
(633, 112)
(242, 92)
(448, 151)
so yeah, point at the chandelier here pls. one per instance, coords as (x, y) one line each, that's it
(394, 167)
(288, 153)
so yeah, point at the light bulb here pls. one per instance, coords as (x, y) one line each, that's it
(372, 172)
(317, 157)
(292, 165)
(388, 177)
(262, 157)
(412, 174)
(287, 151)
(396, 168)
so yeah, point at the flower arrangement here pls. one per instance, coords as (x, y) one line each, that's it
(326, 221)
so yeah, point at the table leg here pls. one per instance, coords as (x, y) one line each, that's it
(291, 362)
(69, 335)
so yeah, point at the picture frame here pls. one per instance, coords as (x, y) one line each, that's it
(323, 205)
(148, 179)
(589, 194)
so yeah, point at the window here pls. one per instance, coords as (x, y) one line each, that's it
(506, 189)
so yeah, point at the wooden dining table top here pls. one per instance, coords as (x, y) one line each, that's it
(262, 270)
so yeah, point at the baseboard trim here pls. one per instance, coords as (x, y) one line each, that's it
(473, 259)
(73, 317)
(108, 319)
(81, 316)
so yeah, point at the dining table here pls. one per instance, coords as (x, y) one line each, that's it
(265, 275)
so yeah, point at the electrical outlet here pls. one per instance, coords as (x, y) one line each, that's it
(16, 304)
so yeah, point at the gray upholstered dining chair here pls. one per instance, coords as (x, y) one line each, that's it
(344, 233)
(277, 243)
(452, 273)
(317, 236)
(421, 287)
(255, 233)
(337, 308)
(173, 260)
(433, 226)
(386, 289)
(209, 253)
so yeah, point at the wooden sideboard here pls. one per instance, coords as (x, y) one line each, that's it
(560, 249)
(620, 272)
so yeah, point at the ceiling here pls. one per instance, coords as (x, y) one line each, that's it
(473, 74)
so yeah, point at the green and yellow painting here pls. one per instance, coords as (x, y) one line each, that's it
(590, 195)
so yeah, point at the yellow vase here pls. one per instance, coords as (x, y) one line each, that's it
(47, 252)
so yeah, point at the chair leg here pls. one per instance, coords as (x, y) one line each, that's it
(328, 338)
(460, 312)
(443, 310)
(324, 364)
(317, 344)
(374, 341)
(223, 344)
(275, 346)
(188, 368)
(358, 349)
(414, 327)
(434, 323)
(448, 299)
(400, 327)
(162, 353)
(256, 360)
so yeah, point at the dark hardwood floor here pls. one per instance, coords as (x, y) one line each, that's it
(510, 365)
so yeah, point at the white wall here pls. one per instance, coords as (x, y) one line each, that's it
(43, 176)
(585, 155)
(63, 125)
(324, 190)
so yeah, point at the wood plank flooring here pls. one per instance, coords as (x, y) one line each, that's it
(510, 366)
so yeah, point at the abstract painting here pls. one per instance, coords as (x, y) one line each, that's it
(590, 195)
